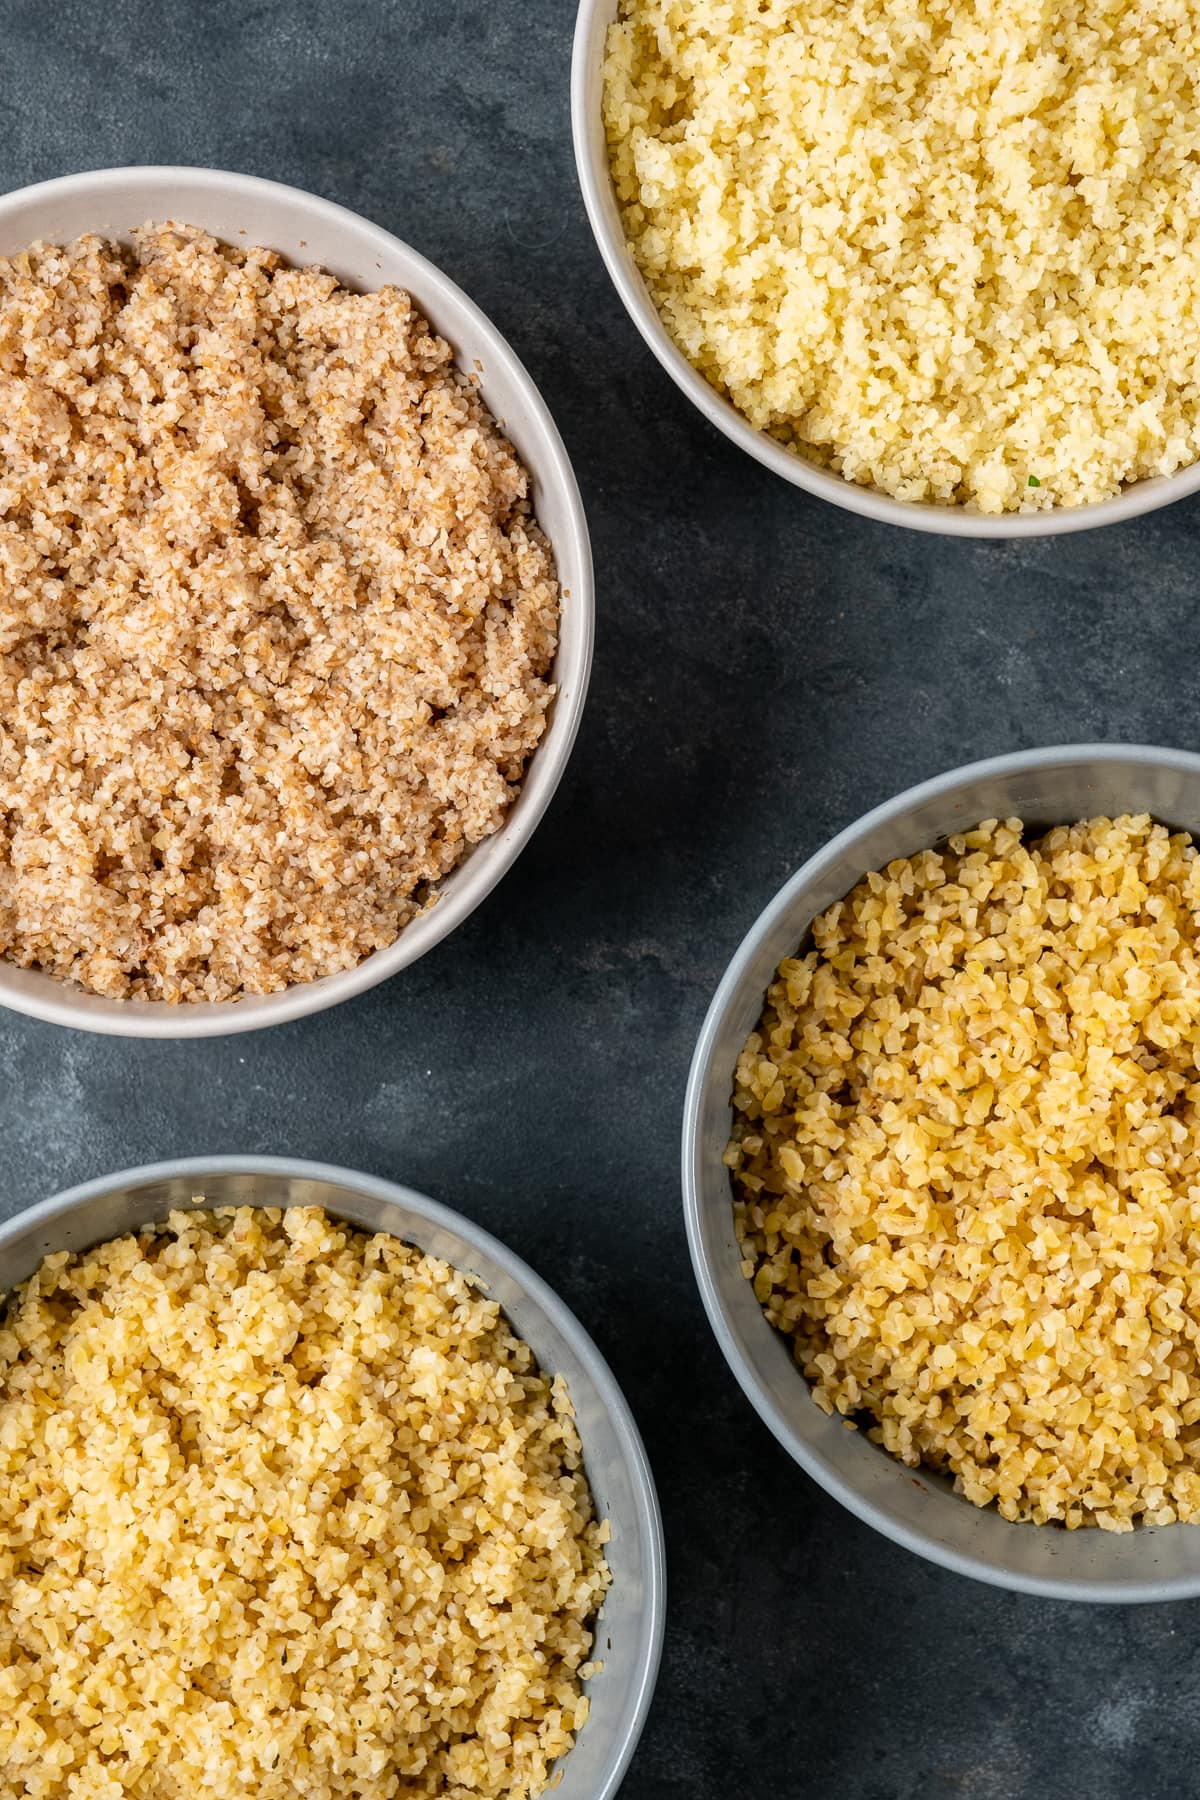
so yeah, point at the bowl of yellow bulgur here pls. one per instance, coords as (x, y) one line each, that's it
(309, 1486)
(934, 264)
(941, 1167)
(295, 603)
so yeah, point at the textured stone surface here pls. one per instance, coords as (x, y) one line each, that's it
(766, 669)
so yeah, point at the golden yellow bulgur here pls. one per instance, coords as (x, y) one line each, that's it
(967, 1167)
(275, 617)
(950, 247)
(288, 1512)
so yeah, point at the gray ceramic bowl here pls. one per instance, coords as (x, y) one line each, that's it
(591, 159)
(629, 1634)
(920, 1511)
(306, 229)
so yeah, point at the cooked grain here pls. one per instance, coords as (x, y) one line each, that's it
(288, 1512)
(967, 1167)
(951, 248)
(275, 618)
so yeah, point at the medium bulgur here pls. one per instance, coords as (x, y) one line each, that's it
(288, 1512)
(966, 1164)
(951, 248)
(275, 618)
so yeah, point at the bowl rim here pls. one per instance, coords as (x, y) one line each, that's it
(591, 162)
(58, 1002)
(731, 984)
(45, 1213)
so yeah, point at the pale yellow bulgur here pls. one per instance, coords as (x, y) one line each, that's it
(285, 1512)
(950, 247)
(275, 618)
(967, 1167)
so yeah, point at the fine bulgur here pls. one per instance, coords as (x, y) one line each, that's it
(288, 1512)
(966, 1164)
(275, 617)
(951, 248)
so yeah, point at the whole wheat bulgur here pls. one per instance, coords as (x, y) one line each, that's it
(275, 618)
(288, 1512)
(950, 247)
(966, 1164)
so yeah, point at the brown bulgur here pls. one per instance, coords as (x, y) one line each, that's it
(275, 619)
(288, 1512)
(967, 1167)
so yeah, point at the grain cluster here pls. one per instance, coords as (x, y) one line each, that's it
(967, 1167)
(949, 248)
(286, 1512)
(276, 620)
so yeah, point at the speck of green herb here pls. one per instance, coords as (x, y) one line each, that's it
(1034, 482)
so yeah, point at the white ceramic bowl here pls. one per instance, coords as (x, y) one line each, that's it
(243, 209)
(591, 157)
(630, 1626)
(914, 1507)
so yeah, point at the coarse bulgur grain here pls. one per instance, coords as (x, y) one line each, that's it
(275, 618)
(286, 1511)
(966, 1164)
(949, 247)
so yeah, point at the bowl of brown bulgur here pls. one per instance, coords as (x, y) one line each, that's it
(308, 1486)
(295, 603)
(933, 264)
(941, 1166)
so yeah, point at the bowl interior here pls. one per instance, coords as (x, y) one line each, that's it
(243, 209)
(591, 155)
(629, 1629)
(918, 1509)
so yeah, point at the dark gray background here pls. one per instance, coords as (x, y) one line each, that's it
(767, 667)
